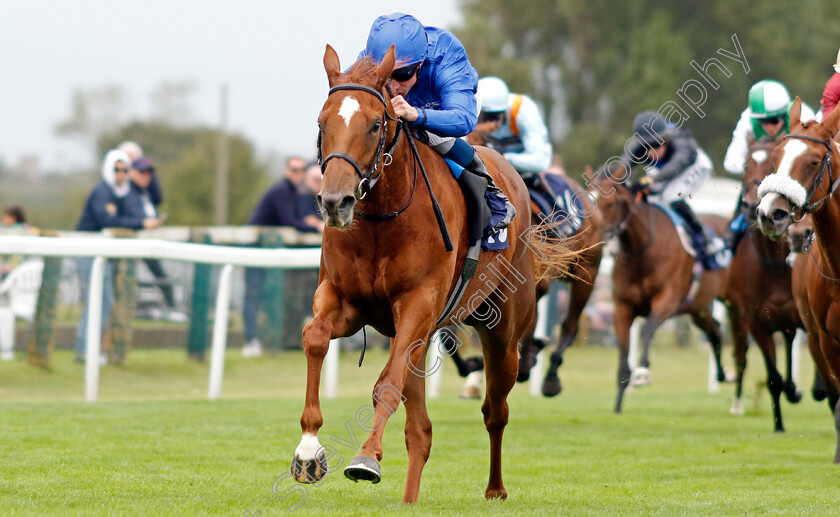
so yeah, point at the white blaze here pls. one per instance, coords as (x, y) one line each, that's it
(759, 156)
(348, 108)
(781, 178)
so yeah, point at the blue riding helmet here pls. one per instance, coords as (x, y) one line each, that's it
(403, 31)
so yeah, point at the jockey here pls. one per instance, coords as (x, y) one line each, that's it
(512, 125)
(831, 94)
(675, 168)
(434, 87)
(767, 114)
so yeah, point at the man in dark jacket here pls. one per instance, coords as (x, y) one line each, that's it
(280, 206)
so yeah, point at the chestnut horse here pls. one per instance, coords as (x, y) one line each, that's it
(580, 277)
(652, 276)
(805, 177)
(388, 268)
(759, 296)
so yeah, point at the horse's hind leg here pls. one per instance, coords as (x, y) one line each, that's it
(500, 369)
(791, 391)
(418, 433)
(332, 318)
(580, 292)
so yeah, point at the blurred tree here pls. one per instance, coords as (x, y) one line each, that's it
(185, 162)
(94, 111)
(593, 65)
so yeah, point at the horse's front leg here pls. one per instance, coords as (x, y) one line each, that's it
(333, 318)
(414, 322)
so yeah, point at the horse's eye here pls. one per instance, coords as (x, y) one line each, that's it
(814, 163)
(375, 127)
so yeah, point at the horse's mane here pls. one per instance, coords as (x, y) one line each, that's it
(363, 71)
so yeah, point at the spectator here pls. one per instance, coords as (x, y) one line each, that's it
(309, 189)
(105, 209)
(139, 203)
(14, 218)
(135, 153)
(831, 94)
(279, 206)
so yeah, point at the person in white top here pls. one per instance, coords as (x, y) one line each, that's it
(511, 124)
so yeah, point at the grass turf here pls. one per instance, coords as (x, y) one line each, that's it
(154, 446)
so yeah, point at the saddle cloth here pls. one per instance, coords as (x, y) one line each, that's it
(693, 243)
(555, 201)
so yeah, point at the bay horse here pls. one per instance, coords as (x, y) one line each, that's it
(803, 182)
(652, 276)
(759, 297)
(384, 264)
(580, 277)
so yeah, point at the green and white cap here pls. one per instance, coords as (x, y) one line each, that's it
(769, 98)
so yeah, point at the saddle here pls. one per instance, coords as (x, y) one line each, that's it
(693, 243)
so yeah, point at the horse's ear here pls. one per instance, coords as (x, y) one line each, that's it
(331, 64)
(386, 67)
(832, 122)
(795, 112)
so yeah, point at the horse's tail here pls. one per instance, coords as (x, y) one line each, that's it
(554, 255)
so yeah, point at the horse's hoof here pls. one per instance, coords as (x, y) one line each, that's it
(310, 471)
(737, 407)
(496, 493)
(551, 386)
(819, 394)
(523, 375)
(364, 468)
(793, 395)
(640, 377)
(470, 391)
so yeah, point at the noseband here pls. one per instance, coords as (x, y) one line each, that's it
(368, 180)
(825, 165)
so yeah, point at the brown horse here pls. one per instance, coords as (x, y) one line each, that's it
(805, 177)
(652, 277)
(580, 277)
(388, 268)
(759, 296)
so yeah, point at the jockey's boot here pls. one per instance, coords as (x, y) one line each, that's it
(462, 153)
(476, 166)
(710, 246)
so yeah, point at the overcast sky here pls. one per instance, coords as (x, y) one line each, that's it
(268, 52)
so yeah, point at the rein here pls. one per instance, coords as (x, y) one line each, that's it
(809, 207)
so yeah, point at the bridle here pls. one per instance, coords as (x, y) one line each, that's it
(368, 180)
(825, 165)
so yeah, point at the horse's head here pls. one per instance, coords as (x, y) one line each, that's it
(800, 164)
(354, 124)
(758, 167)
(615, 208)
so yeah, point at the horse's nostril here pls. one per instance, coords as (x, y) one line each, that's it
(319, 200)
(347, 202)
(779, 215)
